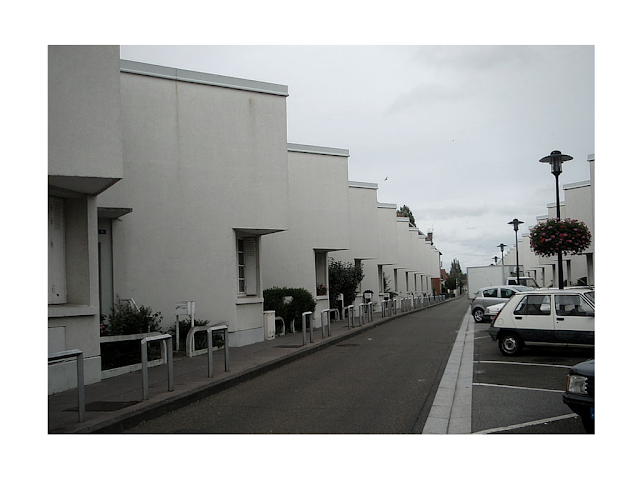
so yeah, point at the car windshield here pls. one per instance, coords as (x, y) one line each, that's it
(591, 295)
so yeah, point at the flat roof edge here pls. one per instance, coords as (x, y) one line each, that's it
(373, 186)
(176, 74)
(297, 147)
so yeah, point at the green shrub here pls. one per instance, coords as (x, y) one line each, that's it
(302, 301)
(344, 277)
(126, 320)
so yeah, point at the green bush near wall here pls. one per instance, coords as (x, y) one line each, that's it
(301, 301)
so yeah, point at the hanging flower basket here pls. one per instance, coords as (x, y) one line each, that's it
(572, 236)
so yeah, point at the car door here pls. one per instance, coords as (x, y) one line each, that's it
(574, 319)
(534, 319)
(490, 297)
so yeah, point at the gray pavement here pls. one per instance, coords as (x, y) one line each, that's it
(116, 404)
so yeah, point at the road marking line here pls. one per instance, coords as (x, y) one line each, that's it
(522, 363)
(526, 424)
(518, 388)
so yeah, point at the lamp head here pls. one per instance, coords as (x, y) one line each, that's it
(556, 159)
(515, 222)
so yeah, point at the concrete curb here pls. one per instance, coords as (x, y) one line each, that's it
(451, 409)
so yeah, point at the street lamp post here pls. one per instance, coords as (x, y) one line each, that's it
(556, 159)
(515, 222)
(501, 247)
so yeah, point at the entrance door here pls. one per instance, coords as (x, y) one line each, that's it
(105, 265)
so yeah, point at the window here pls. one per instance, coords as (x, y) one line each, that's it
(247, 248)
(57, 259)
(534, 305)
(506, 293)
(490, 293)
(572, 305)
(321, 273)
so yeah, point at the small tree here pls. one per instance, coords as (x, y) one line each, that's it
(455, 277)
(406, 212)
(344, 278)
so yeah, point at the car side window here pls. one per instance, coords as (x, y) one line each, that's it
(491, 293)
(506, 293)
(572, 305)
(534, 305)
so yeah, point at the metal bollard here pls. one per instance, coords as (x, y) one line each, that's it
(145, 362)
(304, 327)
(225, 333)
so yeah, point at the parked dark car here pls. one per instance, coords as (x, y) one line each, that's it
(579, 393)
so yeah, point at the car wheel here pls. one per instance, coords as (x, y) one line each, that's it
(477, 315)
(510, 344)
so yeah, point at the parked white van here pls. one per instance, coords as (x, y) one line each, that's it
(545, 317)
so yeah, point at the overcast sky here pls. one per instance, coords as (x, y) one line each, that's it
(457, 130)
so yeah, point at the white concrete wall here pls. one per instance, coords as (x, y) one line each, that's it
(318, 219)
(85, 148)
(201, 162)
(84, 158)
(363, 232)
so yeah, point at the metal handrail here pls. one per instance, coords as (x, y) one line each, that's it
(304, 327)
(78, 355)
(225, 333)
(350, 316)
(145, 364)
(327, 311)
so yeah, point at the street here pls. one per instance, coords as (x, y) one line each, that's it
(382, 381)
(385, 381)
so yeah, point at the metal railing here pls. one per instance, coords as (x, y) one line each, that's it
(129, 368)
(326, 313)
(168, 339)
(78, 355)
(349, 316)
(304, 327)
(366, 313)
(225, 332)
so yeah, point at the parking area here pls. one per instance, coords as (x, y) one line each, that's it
(522, 394)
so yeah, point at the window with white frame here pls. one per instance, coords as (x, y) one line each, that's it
(56, 252)
(247, 255)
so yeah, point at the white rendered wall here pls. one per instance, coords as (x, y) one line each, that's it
(200, 163)
(84, 158)
(318, 198)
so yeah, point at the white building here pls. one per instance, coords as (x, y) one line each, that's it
(205, 177)
(318, 208)
(168, 185)
(85, 159)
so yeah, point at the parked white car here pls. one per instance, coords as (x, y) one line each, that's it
(539, 317)
(492, 312)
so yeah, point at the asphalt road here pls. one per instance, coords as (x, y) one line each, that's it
(382, 381)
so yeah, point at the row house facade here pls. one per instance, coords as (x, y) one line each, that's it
(578, 204)
(168, 185)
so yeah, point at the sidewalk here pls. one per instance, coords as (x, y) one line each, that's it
(115, 404)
